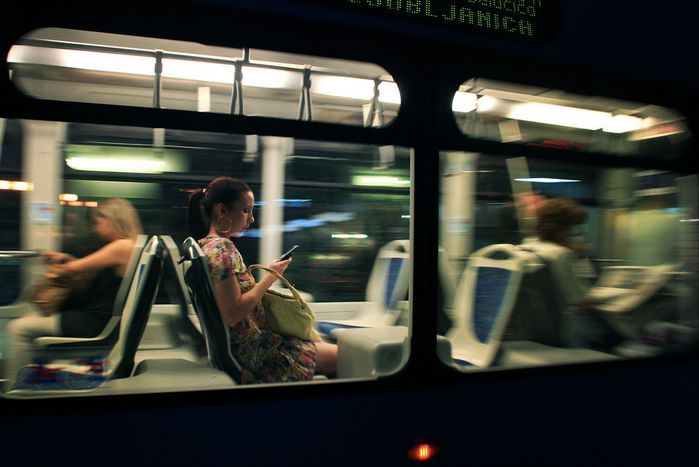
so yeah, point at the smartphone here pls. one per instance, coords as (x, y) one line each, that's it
(287, 255)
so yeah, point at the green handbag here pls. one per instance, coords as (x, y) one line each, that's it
(288, 315)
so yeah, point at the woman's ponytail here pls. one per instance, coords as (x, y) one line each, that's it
(198, 228)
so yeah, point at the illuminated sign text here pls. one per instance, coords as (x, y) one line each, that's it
(529, 19)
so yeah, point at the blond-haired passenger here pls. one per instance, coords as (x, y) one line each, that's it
(115, 222)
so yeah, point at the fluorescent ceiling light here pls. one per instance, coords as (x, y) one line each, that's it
(15, 185)
(468, 102)
(331, 257)
(486, 103)
(560, 115)
(622, 124)
(194, 70)
(551, 114)
(97, 61)
(546, 180)
(102, 164)
(389, 93)
(358, 236)
(342, 86)
(464, 102)
(354, 88)
(172, 68)
(270, 78)
(379, 180)
(89, 204)
(68, 197)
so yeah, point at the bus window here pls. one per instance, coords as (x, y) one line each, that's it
(346, 205)
(82, 66)
(541, 117)
(548, 262)
(12, 187)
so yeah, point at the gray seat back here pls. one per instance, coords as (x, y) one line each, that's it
(201, 290)
(184, 323)
(137, 306)
(109, 333)
(538, 313)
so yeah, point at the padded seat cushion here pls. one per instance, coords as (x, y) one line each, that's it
(327, 327)
(72, 374)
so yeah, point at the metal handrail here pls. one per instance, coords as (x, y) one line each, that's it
(19, 254)
(245, 59)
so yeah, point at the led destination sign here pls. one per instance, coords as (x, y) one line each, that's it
(525, 19)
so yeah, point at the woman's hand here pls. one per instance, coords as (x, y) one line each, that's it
(55, 257)
(235, 305)
(279, 266)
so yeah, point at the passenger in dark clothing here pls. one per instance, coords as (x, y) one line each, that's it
(87, 314)
(117, 223)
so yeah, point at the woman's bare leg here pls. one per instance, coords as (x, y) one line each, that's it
(326, 358)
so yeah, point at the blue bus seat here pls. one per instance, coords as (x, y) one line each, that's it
(483, 302)
(387, 287)
(537, 331)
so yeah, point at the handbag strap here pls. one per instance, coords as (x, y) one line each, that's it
(283, 279)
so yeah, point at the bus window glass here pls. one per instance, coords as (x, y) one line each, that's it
(544, 262)
(81, 66)
(541, 117)
(347, 206)
(12, 187)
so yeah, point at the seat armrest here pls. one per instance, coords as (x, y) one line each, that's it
(105, 339)
(370, 352)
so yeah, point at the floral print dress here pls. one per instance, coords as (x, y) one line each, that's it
(265, 357)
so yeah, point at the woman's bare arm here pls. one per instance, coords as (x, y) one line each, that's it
(235, 305)
(114, 254)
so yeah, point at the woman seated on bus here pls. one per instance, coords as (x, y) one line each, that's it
(555, 242)
(221, 210)
(115, 222)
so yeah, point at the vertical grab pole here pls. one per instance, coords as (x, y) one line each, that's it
(375, 110)
(158, 82)
(305, 104)
(236, 107)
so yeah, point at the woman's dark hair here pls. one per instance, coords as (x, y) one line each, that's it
(556, 215)
(226, 190)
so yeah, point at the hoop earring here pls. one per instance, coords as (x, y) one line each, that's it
(224, 231)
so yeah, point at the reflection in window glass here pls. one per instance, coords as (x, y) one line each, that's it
(542, 262)
(81, 66)
(347, 206)
(541, 117)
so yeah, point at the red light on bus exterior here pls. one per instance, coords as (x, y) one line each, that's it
(422, 452)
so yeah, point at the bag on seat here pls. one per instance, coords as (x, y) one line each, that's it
(56, 285)
(288, 315)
